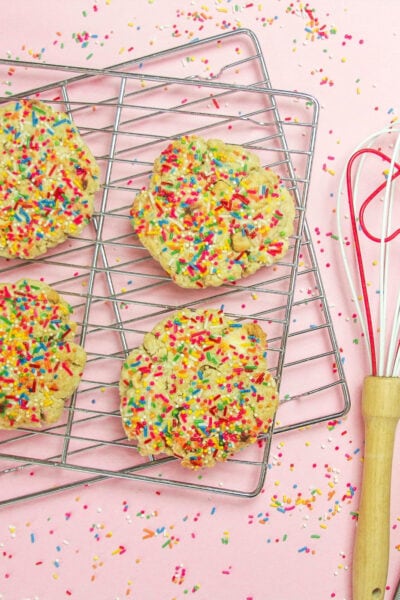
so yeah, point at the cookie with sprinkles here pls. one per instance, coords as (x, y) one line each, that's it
(40, 364)
(48, 179)
(198, 388)
(211, 213)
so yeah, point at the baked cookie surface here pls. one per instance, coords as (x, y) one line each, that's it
(48, 178)
(40, 365)
(211, 213)
(198, 388)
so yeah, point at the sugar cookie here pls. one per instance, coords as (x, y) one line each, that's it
(198, 388)
(212, 214)
(48, 178)
(40, 365)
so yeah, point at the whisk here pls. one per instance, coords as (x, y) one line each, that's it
(380, 403)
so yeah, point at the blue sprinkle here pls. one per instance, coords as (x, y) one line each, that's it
(61, 121)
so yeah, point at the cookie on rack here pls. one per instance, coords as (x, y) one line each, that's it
(198, 388)
(40, 364)
(212, 214)
(48, 179)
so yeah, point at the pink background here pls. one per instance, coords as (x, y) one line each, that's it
(121, 539)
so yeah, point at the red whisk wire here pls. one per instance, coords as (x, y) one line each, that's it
(373, 195)
(370, 236)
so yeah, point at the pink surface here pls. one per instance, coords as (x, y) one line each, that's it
(122, 539)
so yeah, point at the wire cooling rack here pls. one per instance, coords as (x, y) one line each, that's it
(127, 114)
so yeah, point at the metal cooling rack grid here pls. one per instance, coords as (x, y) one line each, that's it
(118, 292)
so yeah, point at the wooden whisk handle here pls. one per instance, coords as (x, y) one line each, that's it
(381, 412)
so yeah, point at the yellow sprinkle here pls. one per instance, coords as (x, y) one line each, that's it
(343, 60)
(323, 526)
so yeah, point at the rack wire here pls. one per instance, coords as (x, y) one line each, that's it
(127, 114)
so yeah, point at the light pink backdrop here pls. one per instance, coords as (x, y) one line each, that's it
(125, 540)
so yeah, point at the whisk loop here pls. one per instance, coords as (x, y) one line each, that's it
(384, 361)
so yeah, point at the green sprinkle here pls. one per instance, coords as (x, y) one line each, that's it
(211, 358)
(225, 540)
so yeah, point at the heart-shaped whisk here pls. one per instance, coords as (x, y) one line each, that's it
(381, 388)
